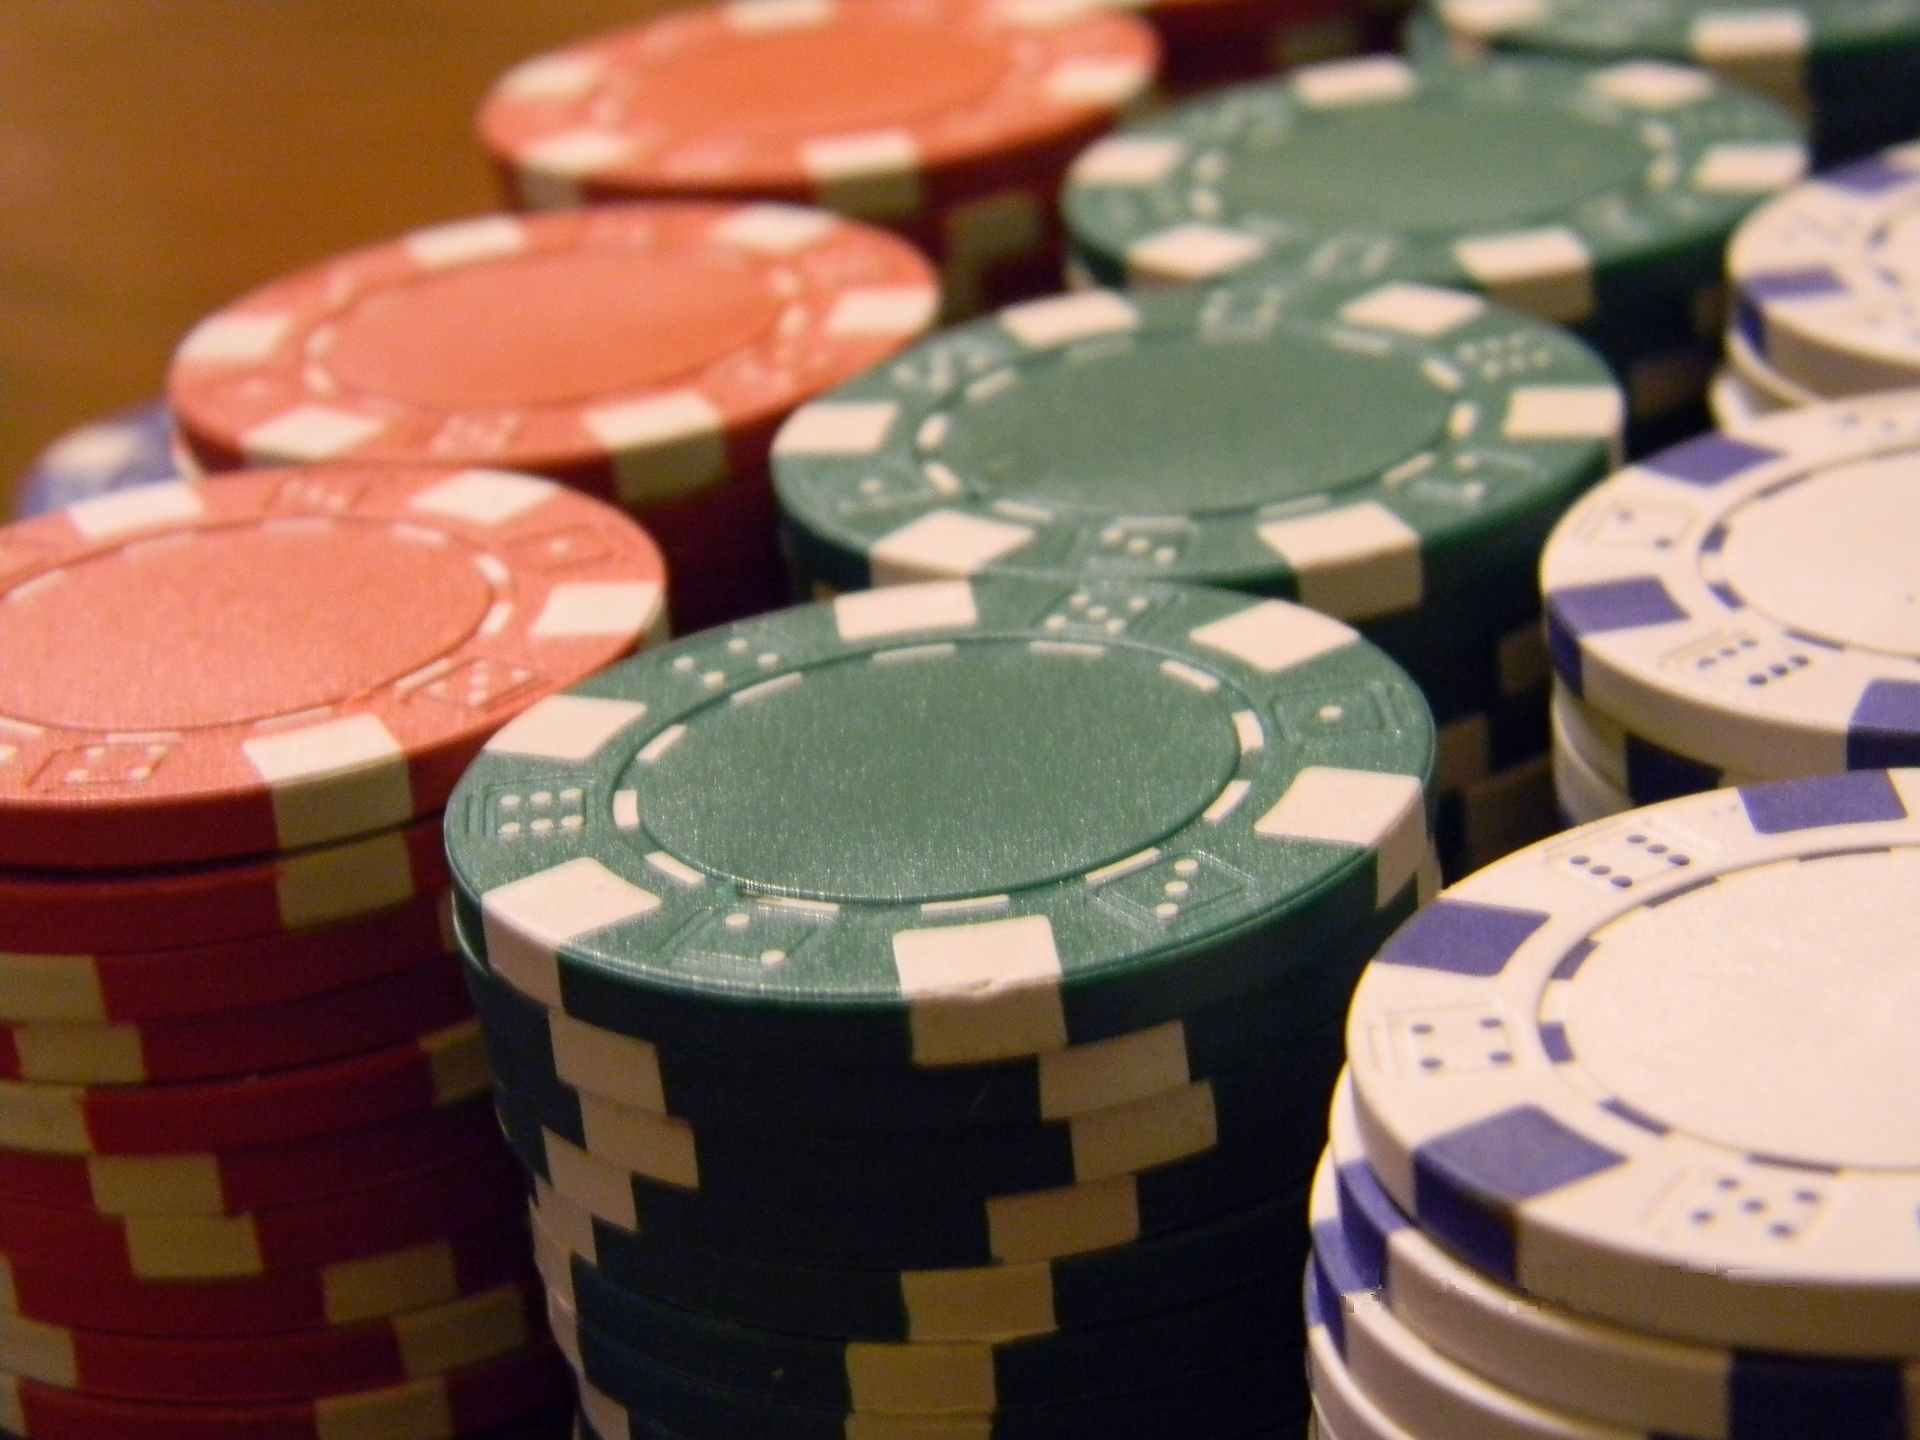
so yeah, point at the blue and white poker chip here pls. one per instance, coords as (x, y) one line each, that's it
(1589, 1367)
(134, 447)
(1827, 277)
(1748, 598)
(1660, 1070)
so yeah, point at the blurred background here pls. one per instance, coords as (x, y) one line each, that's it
(157, 158)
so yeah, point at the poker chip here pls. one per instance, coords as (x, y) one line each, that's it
(1593, 1160)
(121, 452)
(1852, 67)
(981, 1304)
(408, 1347)
(962, 1378)
(329, 1026)
(414, 1277)
(1768, 384)
(1744, 599)
(1736, 401)
(642, 353)
(464, 1402)
(530, 1046)
(1828, 294)
(1640, 771)
(606, 862)
(406, 1211)
(132, 986)
(949, 121)
(257, 1177)
(1101, 438)
(148, 734)
(1581, 791)
(438, 1068)
(1645, 1383)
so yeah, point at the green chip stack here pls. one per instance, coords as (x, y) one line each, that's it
(1600, 198)
(918, 1012)
(1392, 455)
(1849, 68)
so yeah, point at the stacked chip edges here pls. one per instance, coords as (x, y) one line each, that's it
(1825, 305)
(640, 353)
(1393, 455)
(1620, 1153)
(1597, 197)
(1738, 609)
(915, 1012)
(250, 1182)
(1850, 72)
(949, 122)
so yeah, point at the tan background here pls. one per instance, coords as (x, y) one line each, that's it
(158, 157)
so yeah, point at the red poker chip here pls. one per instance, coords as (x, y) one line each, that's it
(492, 1393)
(287, 1366)
(462, 1260)
(255, 1177)
(437, 1069)
(124, 985)
(63, 912)
(202, 671)
(639, 352)
(307, 1031)
(410, 1211)
(886, 109)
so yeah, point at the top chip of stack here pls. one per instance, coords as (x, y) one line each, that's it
(1851, 67)
(135, 447)
(192, 677)
(949, 121)
(1827, 280)
(1645, 1073)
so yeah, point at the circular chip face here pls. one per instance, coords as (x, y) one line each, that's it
(198, 671)
(1588, 1367)
(1656, 1070)
(1828, 277)
(473, 1398)
(1747, 599)
(130, 449)
(439, 1068)
(1350, 449)
(1026, 828)
(1555, 188)
(272, 1367)
(863, 107)
(639, 351)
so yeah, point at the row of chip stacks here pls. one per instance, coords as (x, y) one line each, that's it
(1739, 608)
(250, 1180)
(1626, 1147)
(919, 1019)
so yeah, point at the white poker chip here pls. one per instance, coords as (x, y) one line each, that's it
(1748, 598)
(1828, 277)
(1573, 1363)
(1660, 1070)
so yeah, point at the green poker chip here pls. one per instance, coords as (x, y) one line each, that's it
(1576, 193)
(1362, 451)
(946, 823)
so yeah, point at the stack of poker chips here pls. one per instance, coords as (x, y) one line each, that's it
(1740, 608)
(642, 353)
(916, 1012)
(249, 1181)
(134, 447)
(947, 121)
(1849, 69)
(1601, 198)
(1626, 1149)
(1391, 455)
(1826, 291)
